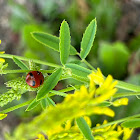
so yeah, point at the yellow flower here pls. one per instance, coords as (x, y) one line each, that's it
(119, 102)
(97, 77)
(65, 131)
(103, 110)
(1, 59)
(127, 133)
(87, 119)
(111, 133)
(2, 116)
(40, 137)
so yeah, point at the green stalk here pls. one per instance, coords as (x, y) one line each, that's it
(127, 86)
(27, 59)
(66, 90)
(125, 94)
(16, 107)
(89, 65)
(22, 71)
(117, 121)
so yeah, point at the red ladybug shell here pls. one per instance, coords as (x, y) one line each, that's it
(34, 79)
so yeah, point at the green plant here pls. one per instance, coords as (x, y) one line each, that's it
(57, 120)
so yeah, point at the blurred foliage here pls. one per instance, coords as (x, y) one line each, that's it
(113, 58)
(134, 43)
(35, 49)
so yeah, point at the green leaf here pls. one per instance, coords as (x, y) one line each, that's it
(64, 44)
(49, 84)
(20, 64)
(50, 41)
(46, 102)
(2, 116)
(50, 101)
(84, 128)
(132, 123)
(78, 70)
(78, 73)
(125, 94)
(104, 104)
(58, 93)
(16, 107)
(32, 105)
(88, 38)
(113, 58)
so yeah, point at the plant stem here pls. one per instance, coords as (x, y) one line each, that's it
(22, 71)
(124, 94)
(89, 65)
(27, 59)
(127, 86)
(117, 121)
(16, 107)
(64, 90)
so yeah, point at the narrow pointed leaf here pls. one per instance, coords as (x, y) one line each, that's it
(49, 84)
(50, 101)
(16, 107)
(22, 65)
(32, 105)
(132, 123)
(84, 128)
(64, 44)
(44, 103)
(2, 116)
(78, 70)
(50, 41)
(88, 38)
(58, 93)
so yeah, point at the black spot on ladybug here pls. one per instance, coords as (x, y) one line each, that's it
(31, 74)
(33, 84)
(40, 82)
(38, 72)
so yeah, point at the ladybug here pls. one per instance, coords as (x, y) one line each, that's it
(34, 79)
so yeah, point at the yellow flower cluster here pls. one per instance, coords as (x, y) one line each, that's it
(85, 101)
(67, 131)
(55, 122)
(1, 59)
(111, 132)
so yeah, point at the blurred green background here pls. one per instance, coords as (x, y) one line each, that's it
(116, 49)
